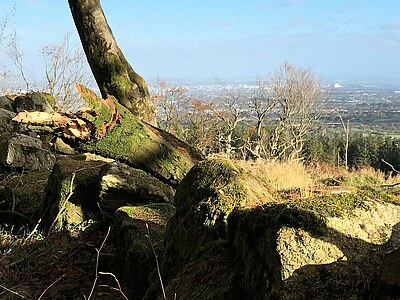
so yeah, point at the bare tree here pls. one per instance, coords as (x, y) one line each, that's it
(230, 115)
(171, 102)
(65, 65)
(17, 57)
(113, 74)
(261, 103)
(298, 94)
(203, 127)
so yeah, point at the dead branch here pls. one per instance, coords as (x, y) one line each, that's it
(390, 165)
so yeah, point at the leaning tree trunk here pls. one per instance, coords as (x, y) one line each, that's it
(113, 74)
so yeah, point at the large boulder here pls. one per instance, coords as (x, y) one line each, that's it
(121, 185)
(139, 237)
(198, 230)
(24, 152)
(219, 245)
(34, 101)
(337, 245)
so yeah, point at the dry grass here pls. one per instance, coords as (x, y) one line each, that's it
(280, 176)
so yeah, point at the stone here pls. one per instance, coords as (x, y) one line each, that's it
(139, 237)
(25, 152)
(7, 126)
(282, 248)
(7, 103)
(390, 268)
(23, 192)
(61, 147)
(34, 101)
(197, 233)
(71, 195)
(121, 185)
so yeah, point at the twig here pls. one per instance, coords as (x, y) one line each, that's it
(42, 294)
(390, 165)
(97, 263)
(15, 293)
(391, 184)
(33, 231)
(157, 264)
(394, 170)
(119, 286)
(5, 291)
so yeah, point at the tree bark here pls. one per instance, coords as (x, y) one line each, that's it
(113, 74)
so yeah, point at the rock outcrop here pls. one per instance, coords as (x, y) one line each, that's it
(196, 236)
(333, 247)
(121, 185)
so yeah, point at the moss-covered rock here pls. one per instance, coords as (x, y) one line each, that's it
(121, 185)
(71, 194)
(204, 200)
(139, 236)
(23, 192)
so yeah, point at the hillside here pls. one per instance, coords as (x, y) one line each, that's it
(77, 225)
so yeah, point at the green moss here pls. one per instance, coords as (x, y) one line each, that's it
(158, 213)
(138, 145)
(213, 186)
(71, 194)
(374, 187)
(103, 113)
(51, 99)
(335, 205)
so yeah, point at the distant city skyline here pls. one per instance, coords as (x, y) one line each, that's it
(229, 39)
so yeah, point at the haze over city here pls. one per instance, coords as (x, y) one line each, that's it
(229, 39)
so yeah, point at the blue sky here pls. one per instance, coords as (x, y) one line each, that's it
(232, 39)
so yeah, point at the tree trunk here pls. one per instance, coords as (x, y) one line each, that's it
(112, 72)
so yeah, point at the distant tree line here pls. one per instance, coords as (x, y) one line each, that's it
(278, 122)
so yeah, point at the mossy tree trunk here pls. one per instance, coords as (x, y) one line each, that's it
(113, 74)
